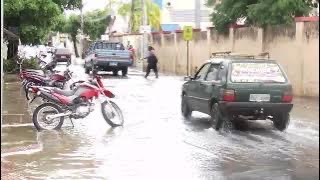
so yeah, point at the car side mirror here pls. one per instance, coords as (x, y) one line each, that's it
(187, 78)
(216, 82)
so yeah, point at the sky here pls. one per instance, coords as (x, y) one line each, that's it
(90, 5)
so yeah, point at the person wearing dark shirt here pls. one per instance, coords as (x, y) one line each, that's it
(152, 62)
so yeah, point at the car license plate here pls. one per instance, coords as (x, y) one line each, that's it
(260, 97)
(113, 64)
(63, 56)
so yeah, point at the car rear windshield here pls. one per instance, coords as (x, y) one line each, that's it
(109, 46)
(251, 72)
(63, 51)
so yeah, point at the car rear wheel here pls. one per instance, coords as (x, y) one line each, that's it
(281, 121)
(115, 72)
(219, 120)
(185, 108)
(87, 71)
(125, 71)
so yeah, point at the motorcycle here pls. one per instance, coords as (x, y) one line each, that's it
(75, 104)
(54, 80)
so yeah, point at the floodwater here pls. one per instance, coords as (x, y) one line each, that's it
(157, 143)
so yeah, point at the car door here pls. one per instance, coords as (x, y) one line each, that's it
(193, 94)
(209, 87)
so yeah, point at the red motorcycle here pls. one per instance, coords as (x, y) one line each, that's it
(75, 104)
(54, 80)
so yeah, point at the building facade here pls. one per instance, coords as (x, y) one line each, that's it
(178, 13)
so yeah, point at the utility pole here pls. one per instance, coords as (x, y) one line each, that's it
(144, 23)
(197, 14)
(131, 24)
(81, 14)
(1, 65)
(82, 26)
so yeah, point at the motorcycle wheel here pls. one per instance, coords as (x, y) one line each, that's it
(112, 113)
(26, 89)
(40, 114)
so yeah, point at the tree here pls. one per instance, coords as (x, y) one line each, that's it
(72, 26)
(258, 12)
(68, 4)
(96, 22)
(35, 18)
(135, 13)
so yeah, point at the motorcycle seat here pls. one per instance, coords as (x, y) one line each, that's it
(64, 92)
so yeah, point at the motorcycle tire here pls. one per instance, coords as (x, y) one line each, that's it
(106, 115)
(36, 119)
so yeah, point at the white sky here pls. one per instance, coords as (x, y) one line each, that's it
(90, 5)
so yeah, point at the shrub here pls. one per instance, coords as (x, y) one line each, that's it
(11, 66)
(30, 64)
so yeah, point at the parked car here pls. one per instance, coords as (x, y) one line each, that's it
(232, 87)
(108, 56)
(62, 55)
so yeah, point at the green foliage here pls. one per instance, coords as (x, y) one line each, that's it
(11, 66)
(68, 4)
(96, 22)
(35, 18)
(258, 12)
(274, 12)
(153, 13)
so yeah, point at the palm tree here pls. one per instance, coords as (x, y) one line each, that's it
(133, 10)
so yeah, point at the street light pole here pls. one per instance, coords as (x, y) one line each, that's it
(82, 26)
(144, 23)
(197, 14)
(81, 13)
(1, 64)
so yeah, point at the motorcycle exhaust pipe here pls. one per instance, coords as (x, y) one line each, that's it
(50, 117)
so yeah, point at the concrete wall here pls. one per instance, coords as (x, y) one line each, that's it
(295, 47)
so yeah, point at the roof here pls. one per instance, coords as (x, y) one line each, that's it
(170, 27)
(10, 35)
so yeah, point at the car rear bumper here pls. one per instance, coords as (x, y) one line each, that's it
(110, 64)
(63, 59)
(252, 107)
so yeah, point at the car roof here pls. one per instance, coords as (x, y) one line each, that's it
(103, 41)
(225, 60)
(229, 56)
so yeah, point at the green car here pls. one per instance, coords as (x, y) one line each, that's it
(231, 88)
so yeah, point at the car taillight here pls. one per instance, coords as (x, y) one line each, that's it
(229, 95)
(287, 97)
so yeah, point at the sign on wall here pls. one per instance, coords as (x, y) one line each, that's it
(187, 33)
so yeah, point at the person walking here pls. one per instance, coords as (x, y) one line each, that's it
(133, 53)
(152, 62)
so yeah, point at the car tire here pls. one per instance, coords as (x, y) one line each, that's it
(87, 71)
(125, 71)
(185, 108)
(281, 121)
(115, 72)
(219, 120)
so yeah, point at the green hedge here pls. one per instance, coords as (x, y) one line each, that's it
(11, 66)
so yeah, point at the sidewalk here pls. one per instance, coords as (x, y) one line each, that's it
(15, 107)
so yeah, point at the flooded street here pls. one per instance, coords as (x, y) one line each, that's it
(157, 143)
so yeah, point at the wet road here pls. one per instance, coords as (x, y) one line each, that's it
(157, 143)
